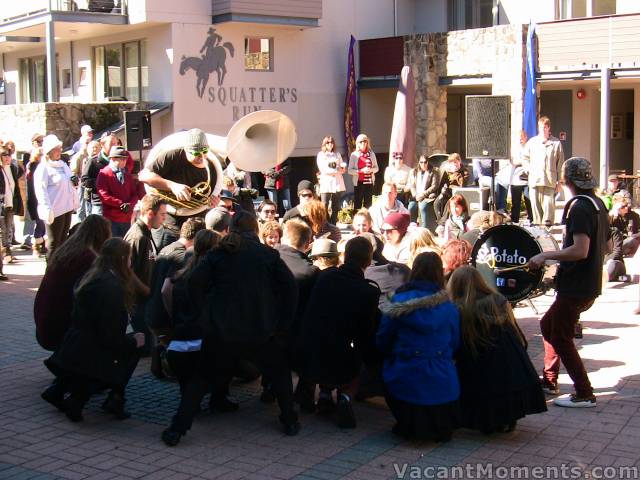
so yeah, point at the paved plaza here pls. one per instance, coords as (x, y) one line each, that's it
(36, 441)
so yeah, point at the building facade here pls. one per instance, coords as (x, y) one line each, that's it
(206, 63)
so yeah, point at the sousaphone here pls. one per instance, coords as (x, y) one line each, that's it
(256, 143)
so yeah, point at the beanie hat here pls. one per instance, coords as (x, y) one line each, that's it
(305, 185)
(196, 140)
(399, 221)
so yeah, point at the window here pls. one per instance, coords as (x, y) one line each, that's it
(567, 9)
(464, 14)
(258, 54)
(121, 71)
(66, 78)
(82, 77)
(33, 80)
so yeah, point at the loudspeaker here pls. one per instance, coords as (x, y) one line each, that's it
(488, 120)
(477, 197)
(137, 126)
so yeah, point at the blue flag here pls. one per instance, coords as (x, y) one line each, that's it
(530, 121)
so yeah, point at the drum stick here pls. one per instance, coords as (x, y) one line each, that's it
(510, 269)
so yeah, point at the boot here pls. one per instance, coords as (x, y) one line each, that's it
(114, 404)
(73, 406)
(54, 395)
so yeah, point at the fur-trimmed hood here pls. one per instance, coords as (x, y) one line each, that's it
(398, 309)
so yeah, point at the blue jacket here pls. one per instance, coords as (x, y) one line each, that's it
(418, 335)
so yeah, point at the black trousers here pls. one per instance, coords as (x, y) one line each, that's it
(57, 232)
(334, 200)
(362, 195)
(440, 205)
(516, 202)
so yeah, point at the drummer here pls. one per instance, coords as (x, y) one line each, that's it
(178, 171)
(578, 282)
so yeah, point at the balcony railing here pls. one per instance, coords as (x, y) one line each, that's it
(98, 6)
(16, 11)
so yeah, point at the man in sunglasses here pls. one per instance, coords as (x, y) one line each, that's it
(178, 171)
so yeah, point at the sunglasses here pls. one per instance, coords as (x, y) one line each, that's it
(196, 153)
(305, 195)
(387, 230)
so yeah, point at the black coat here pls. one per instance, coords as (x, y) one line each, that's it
(32, 201)
(143, 250)
(305, 274)
(170, 259)
(18, 206)
(245, 296)
(339, 324)
(96, 346)
(90, 170)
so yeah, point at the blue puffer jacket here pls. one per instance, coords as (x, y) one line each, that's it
(419, 334)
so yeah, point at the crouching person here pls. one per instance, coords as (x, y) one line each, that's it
(248, 298)
(96, 353)
(196, 375)
(419, 335)
(338, 327)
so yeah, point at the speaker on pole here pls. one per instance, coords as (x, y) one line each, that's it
(137, 126)
(488, 119)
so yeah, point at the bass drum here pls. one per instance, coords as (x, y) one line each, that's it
(505, 246)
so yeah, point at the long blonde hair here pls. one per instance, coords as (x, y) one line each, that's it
(481, 308)
(422, 241)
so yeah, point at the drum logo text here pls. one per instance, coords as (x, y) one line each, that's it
(493, 256)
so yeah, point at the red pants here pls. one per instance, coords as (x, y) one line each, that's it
(558, 327)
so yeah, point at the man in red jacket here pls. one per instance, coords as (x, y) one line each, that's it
(118, 191)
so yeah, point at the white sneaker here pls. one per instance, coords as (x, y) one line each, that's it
(573, 401)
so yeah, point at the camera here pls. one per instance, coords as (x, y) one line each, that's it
(332, 164)
(74, 180)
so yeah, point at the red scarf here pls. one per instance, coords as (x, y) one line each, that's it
(280, 179)
(364, 161)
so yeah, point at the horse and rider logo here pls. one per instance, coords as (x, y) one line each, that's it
(213, 60)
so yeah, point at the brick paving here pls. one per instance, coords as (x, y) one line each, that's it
(37, 442)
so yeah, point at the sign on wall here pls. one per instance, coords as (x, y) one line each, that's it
(216, 80)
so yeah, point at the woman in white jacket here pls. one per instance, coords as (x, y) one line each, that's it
(55, 189)
(363, 166)
(331, 168)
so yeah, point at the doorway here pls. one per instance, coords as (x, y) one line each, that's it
(557, 105)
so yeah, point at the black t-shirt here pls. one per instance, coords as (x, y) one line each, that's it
(583, 278)
(173, 165)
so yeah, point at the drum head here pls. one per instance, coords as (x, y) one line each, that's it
(507, 246)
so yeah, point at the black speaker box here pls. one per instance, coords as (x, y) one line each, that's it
(488, 119)
(137, 126)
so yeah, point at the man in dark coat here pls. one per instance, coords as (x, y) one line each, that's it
(296, 238)
(247, 297)
(143, 256)
(339, 324)
(10, 201)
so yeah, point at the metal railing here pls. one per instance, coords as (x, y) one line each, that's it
(94, 6)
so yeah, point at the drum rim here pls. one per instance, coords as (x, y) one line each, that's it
(506, 226)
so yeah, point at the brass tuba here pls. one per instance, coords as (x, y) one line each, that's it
(257, 142)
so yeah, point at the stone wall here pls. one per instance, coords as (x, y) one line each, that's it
(498, 53)
(20, 122)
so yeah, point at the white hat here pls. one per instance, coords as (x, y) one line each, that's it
(85, 129)
(49, 143)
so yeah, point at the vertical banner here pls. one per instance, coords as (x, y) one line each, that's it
(403, 129)
(351, 124)
(530, 121)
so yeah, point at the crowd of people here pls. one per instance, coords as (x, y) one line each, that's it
(387, 308)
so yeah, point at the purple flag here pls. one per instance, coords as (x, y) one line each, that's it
(351, 124)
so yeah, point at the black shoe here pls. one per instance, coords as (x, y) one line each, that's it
(325, 405)
(223, 405)
(171, 437)
(3, 277)
(54, 396)
(25, 246)
(346, 417)
(267, 395)
(291, 428)
(114, 404)
(73, 407)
